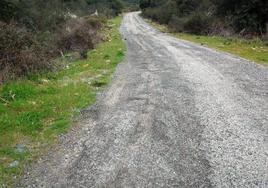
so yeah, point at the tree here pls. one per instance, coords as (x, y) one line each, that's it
(7, 10)
(145, 4)
(106, 7)
(243, 16)
(117, 6)
(186, 7)
(247, 16)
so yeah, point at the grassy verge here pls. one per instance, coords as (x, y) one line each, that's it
(254, 50)
(34, 111)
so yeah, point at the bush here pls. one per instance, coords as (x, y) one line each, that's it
(222, 27)
(246, 17)
(78, 35)
(198, 23)
(265, 40)
(20, 52)
(7, 10)
(131, 8)
(176, 24)
(161, 14)
(96, 22)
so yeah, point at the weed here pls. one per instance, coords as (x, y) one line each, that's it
(252, 49)
(17, 91)
(36, 110)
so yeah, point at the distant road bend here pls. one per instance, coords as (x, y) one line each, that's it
(176, 115)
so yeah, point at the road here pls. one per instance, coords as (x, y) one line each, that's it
(177, 114)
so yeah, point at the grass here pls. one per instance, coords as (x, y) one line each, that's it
(254, 49)
(36, 110)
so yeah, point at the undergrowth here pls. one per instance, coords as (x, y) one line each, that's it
(36, 110)
(252, 49)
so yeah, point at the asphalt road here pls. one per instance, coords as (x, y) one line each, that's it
(176, 115)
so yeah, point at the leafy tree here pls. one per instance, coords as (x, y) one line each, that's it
(7, 10)
(107, 7)
(245, 15)
(186, 7)
(145, 4)
(117, 6)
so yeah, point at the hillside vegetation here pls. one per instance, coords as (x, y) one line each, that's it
(55, 56)
(247, 18)
(34, 111)
(236, 26)
(252, 49)
(34, 33)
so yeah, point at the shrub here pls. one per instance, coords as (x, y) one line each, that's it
(7, 10)
(198, 23)
(20, 52)
(265, 40)
(247, 17)
(96, 22)
(78, 35)
(176, 24)
(145, 4)
(161, 14)
(131, 8)
(222, 27)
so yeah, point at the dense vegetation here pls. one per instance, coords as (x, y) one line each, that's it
(34, 111)
(48, 72)
(225, 17)
(34, 33)
(254, 49)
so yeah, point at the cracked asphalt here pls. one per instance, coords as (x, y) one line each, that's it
(175, 115)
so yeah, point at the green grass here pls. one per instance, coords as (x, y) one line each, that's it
(254, 49)
(34, 111)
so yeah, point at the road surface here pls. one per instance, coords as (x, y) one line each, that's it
(176, 115)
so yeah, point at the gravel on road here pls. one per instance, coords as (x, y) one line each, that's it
(176, 114)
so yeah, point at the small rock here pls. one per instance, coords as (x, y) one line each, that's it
(45, 80)
(14, 164)
(32, 102)
(20, 148)
(86, 65)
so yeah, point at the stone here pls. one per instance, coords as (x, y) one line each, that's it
(14, 164)
(20, 148)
